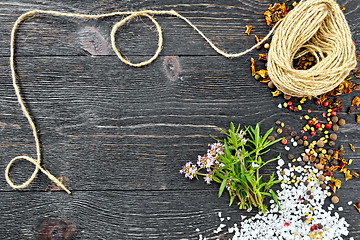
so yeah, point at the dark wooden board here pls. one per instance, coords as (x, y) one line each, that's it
(119, 134)
(124, 214)
(223, 22)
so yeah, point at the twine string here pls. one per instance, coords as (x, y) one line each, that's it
(317, 27)
(284, 48)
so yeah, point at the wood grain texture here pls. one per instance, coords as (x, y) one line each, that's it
(126, 215)
(119, 134)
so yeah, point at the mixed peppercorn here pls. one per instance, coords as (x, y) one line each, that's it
(320, 151)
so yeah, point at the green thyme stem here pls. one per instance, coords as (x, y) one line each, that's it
(240, 198)
(235, 164)
(242, 163)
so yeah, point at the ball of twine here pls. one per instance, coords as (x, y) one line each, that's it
(317, 27)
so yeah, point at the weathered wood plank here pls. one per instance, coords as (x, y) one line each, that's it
(128, 121)
(224, 23)
(120, 135)
(125, 215)
(101, 124)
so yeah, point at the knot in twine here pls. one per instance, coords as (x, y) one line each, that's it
(317, 27)
(313, 26)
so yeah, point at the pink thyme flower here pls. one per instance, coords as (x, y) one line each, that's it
(202, 161)
(210, 162)
(208, 178)
(215, 149)
(189, 170)
(228, 185)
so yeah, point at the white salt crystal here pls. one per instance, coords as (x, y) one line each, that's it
(281, 162)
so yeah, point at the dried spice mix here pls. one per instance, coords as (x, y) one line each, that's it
(311, 177)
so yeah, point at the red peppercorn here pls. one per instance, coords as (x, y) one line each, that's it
(318, 102)
(289, 103)
(313, 133)
(302, 131)
(316, 226)
(333, 113)
(310, 122)
(291, 107)
(286, 224)
(284, 141)
(328, 125)
(326, 103)
(318, 125)
(304, 138)
(312, 228)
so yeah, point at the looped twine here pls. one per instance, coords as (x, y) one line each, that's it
(130, 15)
(33, 175)
(317, 27)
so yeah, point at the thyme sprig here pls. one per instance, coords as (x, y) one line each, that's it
(235, 164)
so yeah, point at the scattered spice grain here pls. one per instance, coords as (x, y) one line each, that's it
(341, 122)
(334, 199)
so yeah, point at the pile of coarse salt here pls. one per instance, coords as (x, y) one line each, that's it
(301, 210)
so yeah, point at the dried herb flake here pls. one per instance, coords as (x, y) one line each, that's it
(248, 29)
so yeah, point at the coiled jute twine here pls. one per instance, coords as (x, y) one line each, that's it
(313, 26)
(317, 27)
